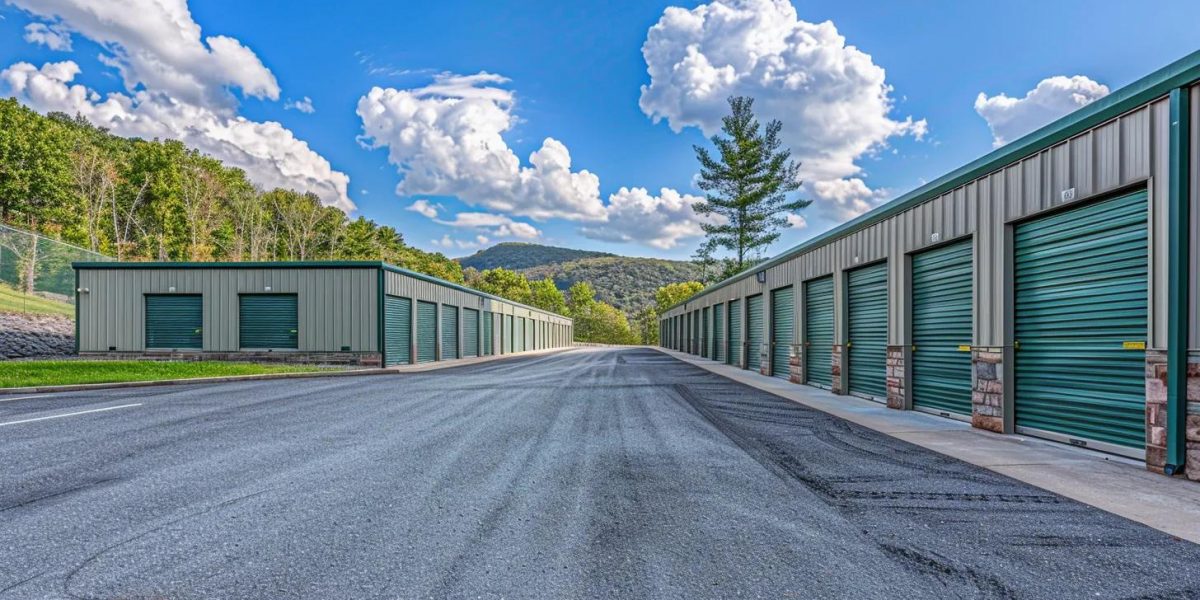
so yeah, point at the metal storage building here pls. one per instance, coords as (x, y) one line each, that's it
(355, 312)
(1050, 287)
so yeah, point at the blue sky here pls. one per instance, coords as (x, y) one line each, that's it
(887, 97)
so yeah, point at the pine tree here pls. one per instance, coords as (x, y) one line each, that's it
(747, 183)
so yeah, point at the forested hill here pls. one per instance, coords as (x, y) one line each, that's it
(625, 282)
(517, 256)
(160, 200)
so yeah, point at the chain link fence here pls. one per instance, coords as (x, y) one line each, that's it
(36, 275)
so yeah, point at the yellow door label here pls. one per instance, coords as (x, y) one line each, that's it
(964, 348)
(1134, 345)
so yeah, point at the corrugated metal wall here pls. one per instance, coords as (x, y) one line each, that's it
(337, 307)
(1125, 153)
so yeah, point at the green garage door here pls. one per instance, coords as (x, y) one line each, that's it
(734, 355)
(449, 332)
(719, 332)
(508, 334)
(175, 321)
(942, 329)
(782, 321)
(398, 334)
(268, 321)
(520, 335)
(754, 332)
(818, 332)
(488, 333)
(705, 337)
(470, 332)
(1081, 320)
(530, 335)
(867, 324)
(426, 331)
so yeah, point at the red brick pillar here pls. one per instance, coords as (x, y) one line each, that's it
(987, 396)
(897, 384)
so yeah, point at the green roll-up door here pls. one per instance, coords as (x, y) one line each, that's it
(818, 332)
(519, 342)
(398, 330)
(449, 332)
(175, 321)
(719, 332)
(705, 337)
(268, 322)
(733, 355)
(470, 332)
(754, 332)
(530, 335)
(508, 334)
(783, 303)
(867, 323)
(1081, 321)
(426, 331)
(488, 333)
(942, 319)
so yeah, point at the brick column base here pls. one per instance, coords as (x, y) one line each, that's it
(764, 359)
(987, 395)
(897, 391)
(1156, 414)
(836, 369)
(796, 364)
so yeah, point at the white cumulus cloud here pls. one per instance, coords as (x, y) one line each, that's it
(424, 208)
(447, 138)
(1010, 118)
(52, 36)
(662, 221)
(304, 105)
(839, 200)
(156, 43)
(833, 100)
(496, 225)
(178, 84)
(269, 153)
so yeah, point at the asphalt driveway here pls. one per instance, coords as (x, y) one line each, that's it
(591, 473)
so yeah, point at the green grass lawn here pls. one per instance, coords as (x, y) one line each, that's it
(21, 373)
(13, 301)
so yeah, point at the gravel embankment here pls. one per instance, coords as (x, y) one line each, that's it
(36, 336)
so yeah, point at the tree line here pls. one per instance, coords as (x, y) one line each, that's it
(139, 199)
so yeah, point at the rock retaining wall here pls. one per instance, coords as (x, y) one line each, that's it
(35, 336)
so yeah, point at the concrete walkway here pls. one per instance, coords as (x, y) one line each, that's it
(1115, 484)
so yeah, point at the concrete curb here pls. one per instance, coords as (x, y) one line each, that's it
(394, 370)
(83, 387)
(1114, 484)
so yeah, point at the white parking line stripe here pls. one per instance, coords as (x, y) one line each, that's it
(82, 412)
(2, 399)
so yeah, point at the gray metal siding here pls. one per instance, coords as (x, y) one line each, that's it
(1121, 154)
(337, 307)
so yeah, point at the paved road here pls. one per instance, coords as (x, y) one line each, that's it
(591, 473)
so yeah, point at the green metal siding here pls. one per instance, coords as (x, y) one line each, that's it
(733, 356)
(782, 322)
(1081, 296)
(268, 321)
(488, 323)
(754, 331)
(174, 321)
(426, 331)
(719, 333)
(398, 334)
(942, 324)
(470, 332)
(449, 332)
(818, 332)
(705, 337)
(867, 319)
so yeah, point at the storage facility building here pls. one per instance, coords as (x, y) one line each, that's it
(367, 313)
(1048, 288)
